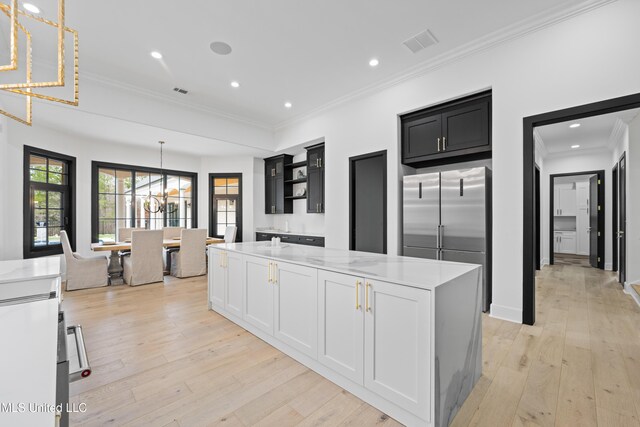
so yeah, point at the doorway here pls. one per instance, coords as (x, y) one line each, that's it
(622, 219)
(538, 213)
(529, 146)
(614, 217)
(368, 202)
(577, 218)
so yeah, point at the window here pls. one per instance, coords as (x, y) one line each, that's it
(131, 196)
(225, 207)
(48, 201)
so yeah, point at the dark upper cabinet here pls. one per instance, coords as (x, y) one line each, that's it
(275, 188)
(315, 179)
(456, 131)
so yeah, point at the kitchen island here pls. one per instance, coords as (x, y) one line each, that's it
(402, 334)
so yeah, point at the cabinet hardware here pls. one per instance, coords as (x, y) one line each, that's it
(358, 295)
(366, 295)
(438, 145)
(275, 273)
(319, 162)
(444, 143)
(269, 273)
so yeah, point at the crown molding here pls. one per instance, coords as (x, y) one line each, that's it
(491, 40)
(574, 153)
(96, 78)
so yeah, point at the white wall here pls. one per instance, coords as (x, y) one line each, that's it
(633, 203)
(577, 162)
(561, 66)
(85, 151)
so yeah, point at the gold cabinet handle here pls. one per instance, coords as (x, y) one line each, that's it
(269, 273)
(366, 295)
(358, 295)
(274, 273)
(438, 145)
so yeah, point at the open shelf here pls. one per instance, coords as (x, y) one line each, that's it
(295, 197)
(296, 181)
(301, 164)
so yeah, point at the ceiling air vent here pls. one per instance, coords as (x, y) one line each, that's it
(420, 41)
(180, 90)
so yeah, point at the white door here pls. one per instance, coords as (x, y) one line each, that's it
(234, 294)
(397, 345)
(296, 307)
(568, 243)
(341, 324)
(258, 293)
(567, 200)
(217, 278)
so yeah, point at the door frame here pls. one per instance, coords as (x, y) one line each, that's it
(601, 212)
(538, 218)
(622, 273)
(352, 196)
(614, 217)
(528, 195)
(213, 210)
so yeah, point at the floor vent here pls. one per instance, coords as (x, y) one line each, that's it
(420, 41)
(180, 90)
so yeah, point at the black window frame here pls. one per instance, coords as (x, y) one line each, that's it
(213, 210)
(28, 249)
(97, 165)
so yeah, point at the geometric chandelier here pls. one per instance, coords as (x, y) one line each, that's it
(26, 86)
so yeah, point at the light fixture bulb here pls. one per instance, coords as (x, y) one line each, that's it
(235, 84)
(575, 146)
(31, 8)
(157, 55)
(575, 125)
(374, 62)
(288, 105)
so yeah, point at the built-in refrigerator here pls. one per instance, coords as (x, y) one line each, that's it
(447, 216)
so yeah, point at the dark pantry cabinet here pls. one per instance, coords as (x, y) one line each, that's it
(456, 131)
(276, 190)
(315, 179)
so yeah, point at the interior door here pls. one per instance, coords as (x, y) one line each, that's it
(341, 324)
(368, 208)
(593, 221)
(421, 212)
(622, 222)
(614, 215)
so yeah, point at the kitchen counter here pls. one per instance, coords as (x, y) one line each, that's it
(28, 278)
(415, 272)
(294, 233)
(403, 334)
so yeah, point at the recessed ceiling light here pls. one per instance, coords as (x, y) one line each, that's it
(31, 7)
(156, 54)
(575, 125)
(221, 48)
(575, 146)
(287, 105)
(374, 62)
(235, 84)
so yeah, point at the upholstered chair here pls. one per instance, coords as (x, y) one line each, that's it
(144, 264)
(230, 234)
(83, 272)
(190, 260)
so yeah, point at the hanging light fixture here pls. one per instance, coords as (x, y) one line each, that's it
(17, 20)
(159, 203)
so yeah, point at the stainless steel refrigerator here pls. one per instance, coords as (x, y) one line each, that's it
(447, 216)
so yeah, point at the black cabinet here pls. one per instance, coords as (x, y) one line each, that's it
(276, 189)
(292, 238)
(453, 132)
(315, 179)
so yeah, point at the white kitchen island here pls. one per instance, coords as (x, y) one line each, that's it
(403, 334)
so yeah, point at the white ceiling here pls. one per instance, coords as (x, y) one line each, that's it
(593, 133)
(307, 52)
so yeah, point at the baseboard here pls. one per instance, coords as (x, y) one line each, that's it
(543, 262)
(506, 313)
(629, 290)
(608, 266)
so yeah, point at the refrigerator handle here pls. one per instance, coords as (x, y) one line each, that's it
(438, 238)
(419, 190)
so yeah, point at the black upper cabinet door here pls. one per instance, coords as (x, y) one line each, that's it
(279, 194)
(275, 187)
(422, 137)
(315, 180)
(466, 127)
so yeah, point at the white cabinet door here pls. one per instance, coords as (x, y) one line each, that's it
(341, 324)
(567, 201)
(234, 284)
(582, 195)
(568, 243)
(258, 293)
(296, 307)
(556, 242)
(397, 345)
(217, 277)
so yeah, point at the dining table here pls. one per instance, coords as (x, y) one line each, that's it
(115, 268)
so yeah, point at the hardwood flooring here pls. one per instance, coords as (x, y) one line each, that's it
(160, 358)
(571, 259)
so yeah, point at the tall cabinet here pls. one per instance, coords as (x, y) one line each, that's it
(276, 190)
(315, 178)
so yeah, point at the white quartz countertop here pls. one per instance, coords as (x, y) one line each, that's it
(14, 273)
(293, 233)
(415, 272)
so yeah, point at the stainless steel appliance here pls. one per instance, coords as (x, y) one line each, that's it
(447, 216)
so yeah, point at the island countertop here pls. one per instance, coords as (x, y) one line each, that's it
(414, 272)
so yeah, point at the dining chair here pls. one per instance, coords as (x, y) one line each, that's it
(83, 272)
(230, 234)
(190, 259)
(124, 234)
(171, 232)
(144, 264)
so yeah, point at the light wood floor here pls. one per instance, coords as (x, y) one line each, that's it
(160, 358)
